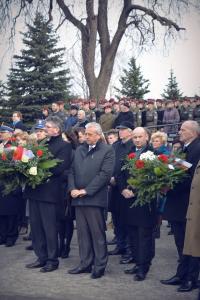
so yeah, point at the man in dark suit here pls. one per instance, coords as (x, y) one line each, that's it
(176, 207)
(88, 183)
(44, 199)
(140, 220)
(122, 148)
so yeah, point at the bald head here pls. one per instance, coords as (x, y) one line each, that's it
(140, 137)
(189, 131)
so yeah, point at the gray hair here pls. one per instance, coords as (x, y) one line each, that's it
(194, 126)
(96, 126)
(56, 122)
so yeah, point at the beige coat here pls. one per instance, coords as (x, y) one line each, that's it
(192, 235)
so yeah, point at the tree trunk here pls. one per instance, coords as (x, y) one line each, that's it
(141, 18)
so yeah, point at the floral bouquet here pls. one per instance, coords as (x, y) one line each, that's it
(20, 166)
(153, 175)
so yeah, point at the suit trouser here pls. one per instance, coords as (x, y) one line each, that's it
(9, 227)
(143, 245)
(65, 233)
(121, 233)
(44, 231)
(91, 228)
(188, 268)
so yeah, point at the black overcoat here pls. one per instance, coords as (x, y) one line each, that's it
(141, 216)
(12, 203)
(178, 198)
(52, 190)
(116, 202)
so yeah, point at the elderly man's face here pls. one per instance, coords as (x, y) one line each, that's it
(91, 136)
(81, 115)
(187, 133)
(140, 137)
(125, 133)
(51, 129)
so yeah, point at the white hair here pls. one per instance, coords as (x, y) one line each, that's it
(96, 126)
(194, 126)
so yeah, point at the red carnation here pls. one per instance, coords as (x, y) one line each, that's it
(131, 155)
(3, 156)
(164, 158)
(17, 155)
(139, 164)
(7, 146)
(39, 153)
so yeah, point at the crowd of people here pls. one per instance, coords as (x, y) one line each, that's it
(92, 145)
(145, 113)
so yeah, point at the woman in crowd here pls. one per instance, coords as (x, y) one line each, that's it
(80, 133)
(159, 144)
(65, 213)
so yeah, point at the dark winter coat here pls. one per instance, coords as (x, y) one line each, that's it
(11, 204)
(20, 125)
(123, 116)
(178, 198)
(51, 191)
(92, 171)
(116, 202)
(142, 216)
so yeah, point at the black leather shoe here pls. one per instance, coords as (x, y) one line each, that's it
(30, 247)
(133, 270)
(80, 270)
(170, 232)
(139, 276)
(112, 242)
(48, 268)
(96, 275)
(27, 238)
(36, 264)
(187, 286)
(175, 280)
(116, 251)
(128, 260)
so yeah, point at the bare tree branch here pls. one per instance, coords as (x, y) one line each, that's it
(50, 11)
(71, 18)
(162, 20)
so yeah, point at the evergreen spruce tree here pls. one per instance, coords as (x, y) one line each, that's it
(4, 109)
(132, 82)
(38, 77)
(172, 91)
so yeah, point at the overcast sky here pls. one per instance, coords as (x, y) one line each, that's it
(182, 55)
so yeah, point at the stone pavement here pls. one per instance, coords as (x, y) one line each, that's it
(19, 283)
